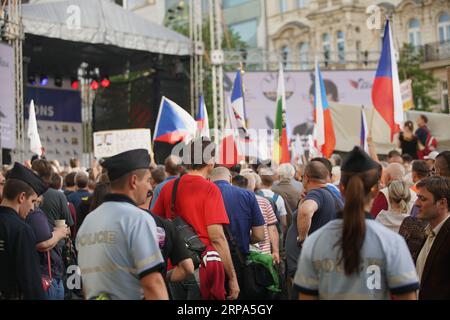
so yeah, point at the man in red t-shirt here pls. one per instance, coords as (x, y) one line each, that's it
(199, 202)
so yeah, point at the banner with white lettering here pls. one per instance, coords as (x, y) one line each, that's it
(7, 98)
(58, 114)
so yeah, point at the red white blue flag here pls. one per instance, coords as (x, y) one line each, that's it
(386, 95)
(174, 124)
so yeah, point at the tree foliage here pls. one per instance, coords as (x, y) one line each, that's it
(422, 80)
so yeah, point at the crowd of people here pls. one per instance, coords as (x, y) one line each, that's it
(358, 228)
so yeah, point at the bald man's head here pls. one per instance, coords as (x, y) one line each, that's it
(394, 171)
(220, 173)
(251, 185)
(316, 171)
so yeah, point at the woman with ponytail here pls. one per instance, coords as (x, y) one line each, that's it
(399, 197)
(353, 257)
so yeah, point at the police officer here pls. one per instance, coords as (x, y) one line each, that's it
(118, 250)
(20, 276)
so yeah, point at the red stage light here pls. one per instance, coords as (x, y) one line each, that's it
(75, 85)
(94, 85)
(105, 83)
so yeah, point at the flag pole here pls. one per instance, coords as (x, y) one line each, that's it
(371, 119)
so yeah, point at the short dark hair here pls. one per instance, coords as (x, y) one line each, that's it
(14, 187)
(326, 163)
(120, 182)
(171, 166)
(159, 174)
(240, 181)
(44, 169)
(194, 147)
(407, 158)
(446, 156)
(438, 186)
(81, 180)
(267, 180)
(420, 167)
(56, 181)
(74, 162)
(69, 180)
(394, 153)
(317, 170)
(424, 118)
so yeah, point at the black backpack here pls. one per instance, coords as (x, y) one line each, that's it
(190, 237)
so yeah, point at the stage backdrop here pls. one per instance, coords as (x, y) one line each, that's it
(7, 98)
(58, 114)
(343, 87)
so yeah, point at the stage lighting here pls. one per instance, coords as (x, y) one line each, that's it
(105, 82)
(58, 81)
(74, 84)
(32, 80)
(44, 80)
(94, 85)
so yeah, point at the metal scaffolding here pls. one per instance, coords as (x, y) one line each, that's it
(198, 50)
(217, 61)
(14, 35)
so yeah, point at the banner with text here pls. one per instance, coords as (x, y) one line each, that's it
(58, 114)
(110, 143)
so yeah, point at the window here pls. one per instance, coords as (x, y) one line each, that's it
(303, 49)
(326, 48)
(302, 3)
(283, 6)
(233, 3)
(414, 33)
(285, 57)
(444, 27)
(247, 31)
(445, 106)
(341, 46)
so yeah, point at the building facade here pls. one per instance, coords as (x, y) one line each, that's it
(342, 35)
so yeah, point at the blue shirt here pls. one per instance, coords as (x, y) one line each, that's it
(243, 211)
(77, 196)
(386, 265)
(157, 190)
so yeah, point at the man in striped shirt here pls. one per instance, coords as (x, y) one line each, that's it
(270, 244)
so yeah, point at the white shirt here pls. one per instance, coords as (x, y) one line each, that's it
(391, 220)
(279, 203)
(423, 255)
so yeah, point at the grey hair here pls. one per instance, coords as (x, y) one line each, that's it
(286, 171)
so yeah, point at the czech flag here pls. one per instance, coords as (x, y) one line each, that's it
(386, 95)
(364, 132)
(237, 100)
(174, 124)
(202, 119)
(324, 137)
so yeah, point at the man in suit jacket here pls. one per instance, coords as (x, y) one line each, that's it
(433, 262)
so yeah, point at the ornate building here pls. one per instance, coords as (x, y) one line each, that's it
(340, 33)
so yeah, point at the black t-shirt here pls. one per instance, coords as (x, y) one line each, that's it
(171, 245)
(326, 212)
(422, 134)
(408, 146)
